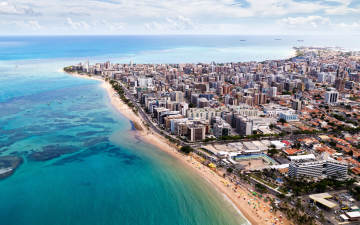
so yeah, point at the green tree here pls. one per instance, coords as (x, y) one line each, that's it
(282, 121)
(186, 149)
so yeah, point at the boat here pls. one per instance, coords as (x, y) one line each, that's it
(278, 39)
(300, 40)
(242, 40)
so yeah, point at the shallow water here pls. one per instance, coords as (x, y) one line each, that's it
(103, 174)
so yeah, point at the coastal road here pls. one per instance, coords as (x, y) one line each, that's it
(158, 130)
(146, 118)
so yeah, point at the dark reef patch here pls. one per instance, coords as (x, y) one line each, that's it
(52, 151)
(103, 120)
(96, 126)
(87, 133)
(126, 158)
(8, 165)
(95, 141)
(82, 120)
(79, 157)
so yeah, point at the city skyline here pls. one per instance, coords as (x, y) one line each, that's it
(116, 17)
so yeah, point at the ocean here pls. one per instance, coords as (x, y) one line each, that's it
(107, 176)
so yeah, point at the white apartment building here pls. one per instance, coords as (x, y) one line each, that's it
(221, 128)
(244, 110)
(274, 110)
(202, 113)
(273, 91)
(318, 168)
(331, 97)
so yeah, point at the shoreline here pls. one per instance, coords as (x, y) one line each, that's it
(239, 199)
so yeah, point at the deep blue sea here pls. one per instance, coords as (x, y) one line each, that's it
(110, 178)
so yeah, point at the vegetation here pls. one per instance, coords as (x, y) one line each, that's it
(209, 139)
(282, 121)
(302, 186)
(69, 69)
(355, 192)
(272, 152)
(253, 136)
(348, 129)
(257, 176)
(186, 149)
(260, 188)
(306, 132)
(122, 96)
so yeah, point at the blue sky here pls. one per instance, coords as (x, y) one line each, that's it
(180, 17)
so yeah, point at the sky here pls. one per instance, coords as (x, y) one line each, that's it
(117, 17)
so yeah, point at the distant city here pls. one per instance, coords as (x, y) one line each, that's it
(290, 127)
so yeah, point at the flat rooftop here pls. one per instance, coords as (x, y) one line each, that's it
(322, 199)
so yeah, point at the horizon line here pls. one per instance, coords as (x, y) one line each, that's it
(186, 34)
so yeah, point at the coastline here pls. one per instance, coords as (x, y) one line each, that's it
(241, 200)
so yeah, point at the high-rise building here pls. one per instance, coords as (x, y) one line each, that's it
(177, 96)
(196, 132)
(321, 78)
(273, 91)
(202, 103)
(331, 97)
(318, 168)
(221, 128)
(296, 104)
(310, 169)
(243, 126)
(339, 84)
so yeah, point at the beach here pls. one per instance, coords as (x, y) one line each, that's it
(255, 210)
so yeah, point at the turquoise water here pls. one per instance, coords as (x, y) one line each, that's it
(111, 178)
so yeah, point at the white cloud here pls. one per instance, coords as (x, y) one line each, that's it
(354, 25)
(32, 25)
(81, 25)
(110, 26)
(313, 21)
(341, 10)
(177, 23)
(7, 8)
(176, 16)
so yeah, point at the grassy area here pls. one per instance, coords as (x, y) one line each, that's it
(263, 181)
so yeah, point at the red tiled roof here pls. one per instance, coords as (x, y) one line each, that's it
(292, 151)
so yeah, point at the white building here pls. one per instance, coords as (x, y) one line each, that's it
(145, 82)
(317, 168)
(174, 124)
(221, 128)
(289, 116)
(202, 113)
(331, 97)
(273, 91)
(322, 77)
(243, 126)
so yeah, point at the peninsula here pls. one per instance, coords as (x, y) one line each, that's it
(273, 136)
